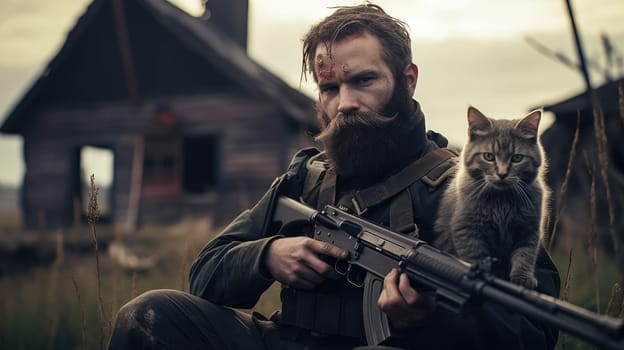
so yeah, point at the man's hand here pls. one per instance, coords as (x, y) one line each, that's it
(295, 261)
(404, 306)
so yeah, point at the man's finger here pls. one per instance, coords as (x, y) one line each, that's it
(327, 249)
(391, 286)
(307, 273)
(318, 265)
(409, 294)
(303, 284)
(383, 299)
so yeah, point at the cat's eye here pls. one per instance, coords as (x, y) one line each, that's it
(516, 158)
(488, 156)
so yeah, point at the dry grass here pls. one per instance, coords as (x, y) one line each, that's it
(56, 306)
(60, 306)
(564, 186)
(595, 281)
(93, 215)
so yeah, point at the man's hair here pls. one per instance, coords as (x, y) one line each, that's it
(346, 21)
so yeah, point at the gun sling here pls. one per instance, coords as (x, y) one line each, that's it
(401, 210)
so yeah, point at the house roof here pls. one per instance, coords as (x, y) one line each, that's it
(607, 95)
(199, 36)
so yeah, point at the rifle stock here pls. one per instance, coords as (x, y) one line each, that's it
(457, 284)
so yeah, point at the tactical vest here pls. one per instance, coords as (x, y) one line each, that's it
(335, 308)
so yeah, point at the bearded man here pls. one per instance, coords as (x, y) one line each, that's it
(371, 130)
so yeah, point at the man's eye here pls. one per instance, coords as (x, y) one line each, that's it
(488, 156)
(364, 81)
(325, 89)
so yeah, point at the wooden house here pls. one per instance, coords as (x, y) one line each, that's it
(195, 126)
(576, 219)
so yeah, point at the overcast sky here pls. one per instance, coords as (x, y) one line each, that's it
(468, 52)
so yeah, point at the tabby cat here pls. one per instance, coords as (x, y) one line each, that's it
(494, 209)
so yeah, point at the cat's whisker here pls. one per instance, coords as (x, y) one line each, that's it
(526, 192)
(521, 190)
(477, 191)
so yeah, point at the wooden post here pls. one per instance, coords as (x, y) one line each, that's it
(127, 61)
(77, 214)
(581, 56)
(136, 181)
(41, 220)
(60, 249)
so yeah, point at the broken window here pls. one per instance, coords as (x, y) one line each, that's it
(201, 163)
(162, 166)
(99, 162)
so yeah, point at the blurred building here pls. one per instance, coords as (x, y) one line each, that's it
(579, 216)
(194, 125)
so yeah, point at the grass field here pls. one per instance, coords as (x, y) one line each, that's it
(51, 306)
(594, 288)
(55, 305)
(72, 301)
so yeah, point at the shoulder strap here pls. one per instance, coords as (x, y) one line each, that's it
(401, 213)
(316, 167)
(288, 184)
(368, 197)
(327, 192)
(297, 172)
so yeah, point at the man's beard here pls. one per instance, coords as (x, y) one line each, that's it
(367, 144)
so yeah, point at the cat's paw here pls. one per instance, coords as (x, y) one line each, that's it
(525, 281)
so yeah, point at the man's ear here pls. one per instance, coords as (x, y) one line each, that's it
(411, 77)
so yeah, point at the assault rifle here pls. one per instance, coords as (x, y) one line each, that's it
(457, 283)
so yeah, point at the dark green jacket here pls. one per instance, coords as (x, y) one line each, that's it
(229, 271)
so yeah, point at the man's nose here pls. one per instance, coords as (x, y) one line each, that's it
(348, 101)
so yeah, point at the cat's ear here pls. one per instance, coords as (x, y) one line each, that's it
(530, 124)
(478, 123)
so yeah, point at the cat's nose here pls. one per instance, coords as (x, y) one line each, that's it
(502, 170)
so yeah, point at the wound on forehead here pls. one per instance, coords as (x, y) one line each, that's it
(324, 70)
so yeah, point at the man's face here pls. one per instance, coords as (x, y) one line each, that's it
(354, 78)
(363, 110)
